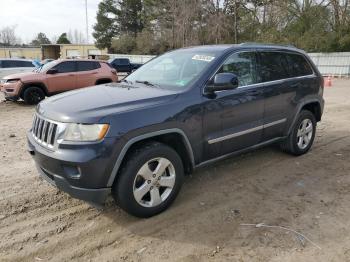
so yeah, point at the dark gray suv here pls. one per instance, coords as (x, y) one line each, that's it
(187, 108)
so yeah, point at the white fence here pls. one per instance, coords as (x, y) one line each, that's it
(140, 59)
(336, 64)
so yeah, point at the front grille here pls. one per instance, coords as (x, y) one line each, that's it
(44, 131)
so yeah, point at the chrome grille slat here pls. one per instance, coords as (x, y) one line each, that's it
(44, 135)
(49, 134)
(44, 131)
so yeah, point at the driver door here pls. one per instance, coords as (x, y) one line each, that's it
(65, 79)
(233, 119)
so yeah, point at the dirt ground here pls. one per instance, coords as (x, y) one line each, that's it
(309, 194)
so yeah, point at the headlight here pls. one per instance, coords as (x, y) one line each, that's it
(3, 81)
(85, 132)
(12, 80)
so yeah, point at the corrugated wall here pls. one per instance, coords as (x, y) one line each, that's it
(337, 64)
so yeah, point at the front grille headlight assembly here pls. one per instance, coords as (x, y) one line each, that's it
(85, 132)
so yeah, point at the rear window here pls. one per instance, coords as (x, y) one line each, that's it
(273, 66)
(87, 65)
(298, 65)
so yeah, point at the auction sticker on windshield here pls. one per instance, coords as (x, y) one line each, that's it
(205, 58)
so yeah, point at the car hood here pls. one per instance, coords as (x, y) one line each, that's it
(90, 105)
(20, 75)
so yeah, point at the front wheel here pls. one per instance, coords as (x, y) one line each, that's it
(33, 95)
(149, 180)
(302, 135)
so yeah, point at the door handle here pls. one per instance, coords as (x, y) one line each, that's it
(71, 75)
(255, 92)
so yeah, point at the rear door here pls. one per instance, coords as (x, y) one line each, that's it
(274, 73)
(87, 72)
(233, 119)
(65, 78)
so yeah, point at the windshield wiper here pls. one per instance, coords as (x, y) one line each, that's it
(145, 83)
(126, 81)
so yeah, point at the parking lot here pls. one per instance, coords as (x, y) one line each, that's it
(309, 194)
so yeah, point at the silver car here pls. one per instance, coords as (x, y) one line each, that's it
(10, 66)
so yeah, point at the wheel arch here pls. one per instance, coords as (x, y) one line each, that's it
(36, 84)
(175, 138)
(103, 81)
(312, 105)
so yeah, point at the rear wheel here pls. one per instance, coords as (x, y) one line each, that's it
(302, 135)
(149, 180)
(33, 95)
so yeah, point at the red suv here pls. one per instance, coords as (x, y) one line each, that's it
(56, 77)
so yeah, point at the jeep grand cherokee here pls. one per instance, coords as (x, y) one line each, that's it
(185, 109)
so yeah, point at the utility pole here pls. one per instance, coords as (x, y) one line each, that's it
(87, 22)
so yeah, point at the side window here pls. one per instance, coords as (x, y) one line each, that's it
(298, 65)
(24, 64)
(87, 65)
(65, 67)
(243, 66)
(123, 61)
(273, 66)
(9, 63)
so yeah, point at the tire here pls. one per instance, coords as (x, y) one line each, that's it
(101, 82)
(144, 195)
(33, 95)
(300, 140)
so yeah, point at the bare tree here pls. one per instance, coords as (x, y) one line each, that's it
(8, 36)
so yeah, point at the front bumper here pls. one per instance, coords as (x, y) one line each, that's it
(11, 90)
(97, 196)
(90, 162)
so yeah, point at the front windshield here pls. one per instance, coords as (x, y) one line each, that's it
(46, 66)
(174, 70)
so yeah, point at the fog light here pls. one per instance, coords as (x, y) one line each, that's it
(72, 171)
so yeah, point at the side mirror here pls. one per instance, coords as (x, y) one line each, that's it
(52, 71)
(222, 81)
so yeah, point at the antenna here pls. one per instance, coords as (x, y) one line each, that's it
(87, 22)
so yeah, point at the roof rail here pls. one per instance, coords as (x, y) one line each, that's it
(266, 44)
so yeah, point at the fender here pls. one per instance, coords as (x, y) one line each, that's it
(320, 101)
(38, 84)
(145, 136)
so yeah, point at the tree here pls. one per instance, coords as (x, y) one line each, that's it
(41, 39)
(63, 39)
(8, 36)
(76, 36)
(106, 27)
(129, 17)
(155, 26)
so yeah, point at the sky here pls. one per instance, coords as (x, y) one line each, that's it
(51, 17)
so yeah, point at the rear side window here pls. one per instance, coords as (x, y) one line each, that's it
(298, 65)
(273, 66)
(65, 67)
(243, 66)
(87, 65)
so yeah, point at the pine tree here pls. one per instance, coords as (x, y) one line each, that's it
(106, 27)
(63, 39)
